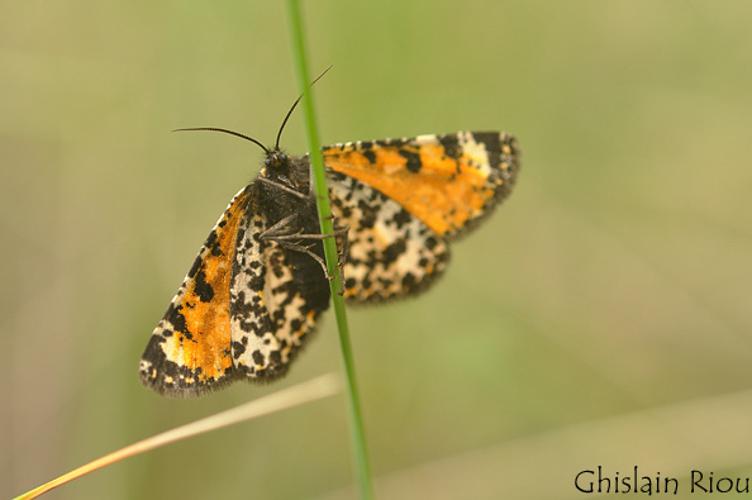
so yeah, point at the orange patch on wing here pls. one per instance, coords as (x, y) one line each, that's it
(444, 193)
(206, 342)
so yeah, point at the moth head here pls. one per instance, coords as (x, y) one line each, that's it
(276, 160)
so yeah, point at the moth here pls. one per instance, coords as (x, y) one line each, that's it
(258, 286)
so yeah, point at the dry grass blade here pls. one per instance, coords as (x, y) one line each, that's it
(706, 434)
(318, 388)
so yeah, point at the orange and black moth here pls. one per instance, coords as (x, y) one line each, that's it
(258, 287)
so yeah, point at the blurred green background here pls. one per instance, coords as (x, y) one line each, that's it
(602, 316)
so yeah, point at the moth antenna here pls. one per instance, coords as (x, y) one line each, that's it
(226, 131)
(292, 108)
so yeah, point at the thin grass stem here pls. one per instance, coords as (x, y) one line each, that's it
(360, 452)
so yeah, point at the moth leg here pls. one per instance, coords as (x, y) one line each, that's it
(341, 232)
(343, 251)
(344, 233)
(283, 188)
(306, 249)
(293, 242)
(341, 236)
(274, 230)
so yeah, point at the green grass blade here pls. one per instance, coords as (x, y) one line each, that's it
(330, 251)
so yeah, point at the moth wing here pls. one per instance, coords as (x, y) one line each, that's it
(277, 296)
(447, 181)
(391, 253)
(189, 350)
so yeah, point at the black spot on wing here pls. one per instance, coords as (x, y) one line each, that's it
(276, 361)
(212, 242)
(408, 281)
(393, 251)
(203, 289)
(413, 160)
(402, 218)
(153, 351)
(237, 349)
(195, 267)
(493, 146)
(370, 155)
(174, 316)
(451, 145)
